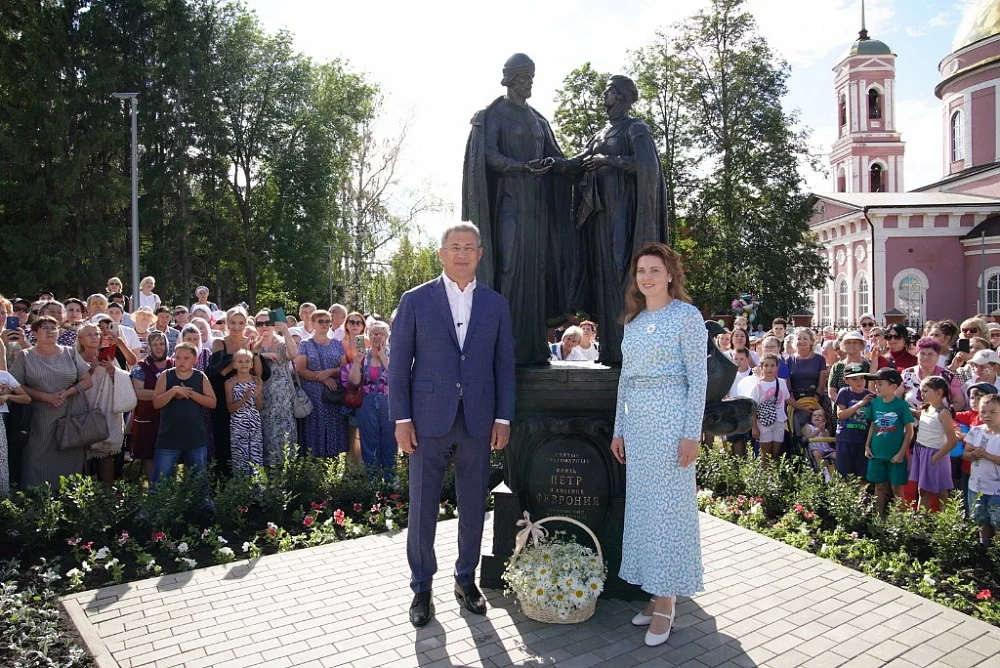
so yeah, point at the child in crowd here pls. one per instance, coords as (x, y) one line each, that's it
(10, 391)
(822, 452)
(180, 395)
(964, 422)
(889, 436)
(738, 442)
(245, 399)
(852, 423)
(770, 393)
(982, 448)
(931, 466)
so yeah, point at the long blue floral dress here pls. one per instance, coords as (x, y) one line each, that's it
(326, 426)
(661, 399)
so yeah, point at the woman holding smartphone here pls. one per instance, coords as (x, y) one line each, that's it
(371, 373)
(354, 327)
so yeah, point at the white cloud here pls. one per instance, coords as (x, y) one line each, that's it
(919, 123)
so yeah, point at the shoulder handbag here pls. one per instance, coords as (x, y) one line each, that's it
(123, 398)
(301, 403)
(80, 429)
(353, 396)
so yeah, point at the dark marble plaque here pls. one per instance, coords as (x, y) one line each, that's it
(568, 477)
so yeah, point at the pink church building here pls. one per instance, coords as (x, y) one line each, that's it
(927, 253)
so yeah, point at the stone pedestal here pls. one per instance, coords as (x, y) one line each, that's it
(559, 463)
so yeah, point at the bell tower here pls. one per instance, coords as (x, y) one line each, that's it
(868, 153)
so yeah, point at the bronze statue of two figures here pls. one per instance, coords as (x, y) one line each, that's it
(559, 232)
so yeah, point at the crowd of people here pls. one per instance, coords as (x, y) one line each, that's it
(892, 406)
(188, 383)
(903, 409)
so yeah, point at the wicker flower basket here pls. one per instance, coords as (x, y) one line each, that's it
(541, 613)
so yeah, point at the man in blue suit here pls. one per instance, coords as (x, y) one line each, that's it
(451, 380)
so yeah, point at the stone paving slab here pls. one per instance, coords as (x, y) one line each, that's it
(766, 604)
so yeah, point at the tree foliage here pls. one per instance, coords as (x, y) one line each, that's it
(579, 113)
(711, 91)
(248, 153)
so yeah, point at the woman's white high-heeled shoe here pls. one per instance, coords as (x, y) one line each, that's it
(641, 619)
(655, 639)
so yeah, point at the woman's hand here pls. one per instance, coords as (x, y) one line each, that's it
(330, 383)
(688, 452)
(109, 366)
(271, 356)
(618, 449)
(54, 400)
(323, 375)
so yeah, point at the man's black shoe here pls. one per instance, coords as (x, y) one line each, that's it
(471, 597)
(421, 609)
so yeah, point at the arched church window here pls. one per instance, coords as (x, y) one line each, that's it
(910, 298)
(862, 296)
(824, 303)
(841, 179)
(874, 104)
(992, 293)
(843, 110)
(876, 182)
(842, 312)
(957, 137)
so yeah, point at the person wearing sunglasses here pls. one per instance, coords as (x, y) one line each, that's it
(897, 355)
(277, 348)
(318, 366)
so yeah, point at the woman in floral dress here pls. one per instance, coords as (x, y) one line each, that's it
(318, 365)
(278, 349)
(661, 403)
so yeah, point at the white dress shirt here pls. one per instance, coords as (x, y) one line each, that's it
(460, 303)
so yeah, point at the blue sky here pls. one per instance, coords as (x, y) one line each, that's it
(439, 61)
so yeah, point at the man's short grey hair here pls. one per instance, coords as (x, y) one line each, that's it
(338, 308)
(462, 227)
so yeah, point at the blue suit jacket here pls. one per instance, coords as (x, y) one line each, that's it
(428, 372)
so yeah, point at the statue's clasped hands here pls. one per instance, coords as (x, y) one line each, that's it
(539, 166)
(594, 161)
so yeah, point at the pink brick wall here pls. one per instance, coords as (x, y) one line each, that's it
(984, 126)
(943, 262)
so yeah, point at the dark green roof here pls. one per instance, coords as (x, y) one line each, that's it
(870, 47)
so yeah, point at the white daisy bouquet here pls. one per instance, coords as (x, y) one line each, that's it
(556, 579)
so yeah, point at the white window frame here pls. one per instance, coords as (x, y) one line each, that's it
(825, 314)
(992, 276)
(843, 301)
(862, 306)
(956, 131)
(924, 287)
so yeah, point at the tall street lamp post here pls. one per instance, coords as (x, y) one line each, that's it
(134, 98)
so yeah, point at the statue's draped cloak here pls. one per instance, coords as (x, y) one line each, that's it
(524, 220)
(618, 210)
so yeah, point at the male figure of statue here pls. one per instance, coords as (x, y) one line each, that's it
(506, 193)
(620, 206)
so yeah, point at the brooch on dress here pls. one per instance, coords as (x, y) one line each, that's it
(650, 329)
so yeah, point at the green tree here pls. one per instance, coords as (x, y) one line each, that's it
(661, 82)
(410, 265)
(750, 216)
(580, 113)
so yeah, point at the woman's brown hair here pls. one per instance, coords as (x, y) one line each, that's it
(635, 301)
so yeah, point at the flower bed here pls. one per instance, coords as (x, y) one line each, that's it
(935, 555)
(83, 536)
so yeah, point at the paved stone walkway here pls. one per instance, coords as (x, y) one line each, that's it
(766, 604)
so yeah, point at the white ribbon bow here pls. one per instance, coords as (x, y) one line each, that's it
(531, 530)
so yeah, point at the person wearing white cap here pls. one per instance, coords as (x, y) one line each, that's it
(994, 331)
(201, 292)
(986, 364)
(852, 344)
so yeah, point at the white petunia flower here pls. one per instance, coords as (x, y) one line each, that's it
(190, 563)
(226, 551)
(182, 547)
(111, 564)
(73, 572)
(222, 541)
(389, 525)
(246, 546)
(102, 553)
